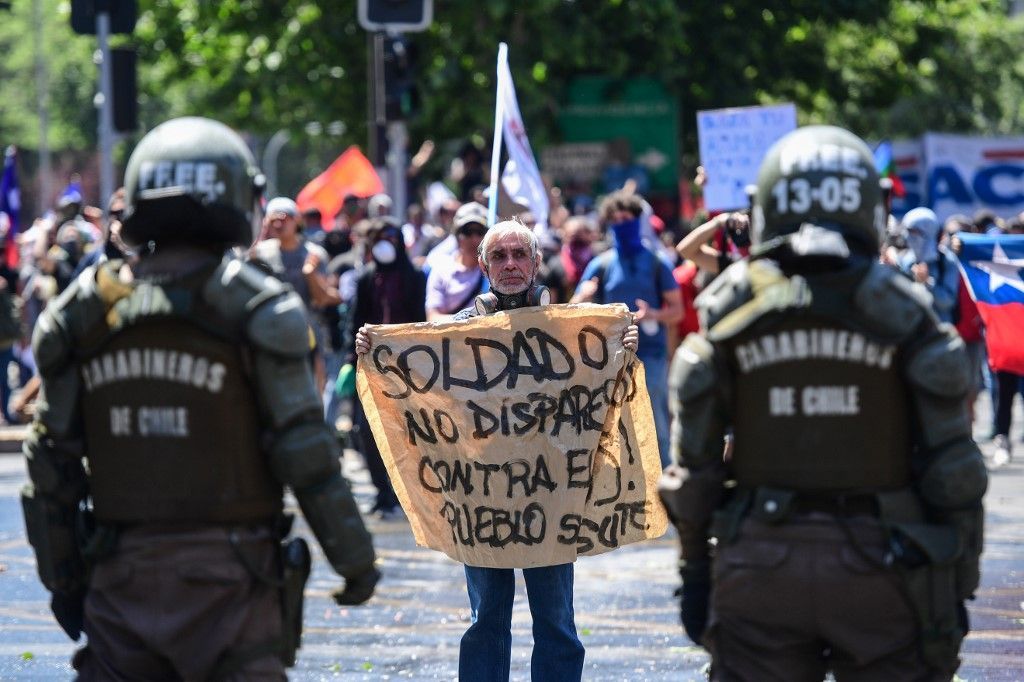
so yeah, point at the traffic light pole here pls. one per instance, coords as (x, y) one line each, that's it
(42, 104)
(105, 103)
(397, 157)
(377, 118)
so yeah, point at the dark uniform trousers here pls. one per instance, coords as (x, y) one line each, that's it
(795, 599)
(172, 604)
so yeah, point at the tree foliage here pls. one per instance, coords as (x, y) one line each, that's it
(69, 82)
(884, 68)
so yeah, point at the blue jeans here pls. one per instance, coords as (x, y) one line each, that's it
(485, 654)
(6, 358)
(656, 371)
(332, 403)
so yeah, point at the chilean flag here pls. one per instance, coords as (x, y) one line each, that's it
(992, 266)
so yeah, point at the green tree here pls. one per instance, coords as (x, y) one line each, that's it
(70, 81)
(883, 68)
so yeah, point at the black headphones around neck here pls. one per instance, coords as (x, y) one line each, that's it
(492, 301)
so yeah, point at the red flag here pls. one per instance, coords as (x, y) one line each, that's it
(351, 173)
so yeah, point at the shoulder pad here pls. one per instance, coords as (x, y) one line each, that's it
(67, 319)
(280, 327)
(693, 372)
(890, 304)
(769, 290)
(236, 288)
(728, 291)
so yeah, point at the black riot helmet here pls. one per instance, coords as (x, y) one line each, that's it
(192, 180)
(816, 184)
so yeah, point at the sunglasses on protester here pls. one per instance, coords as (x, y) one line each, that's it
(473, 231)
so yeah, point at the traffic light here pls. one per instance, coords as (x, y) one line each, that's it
(83, 15)
(126, 96)
(401, 96)
(395, 15)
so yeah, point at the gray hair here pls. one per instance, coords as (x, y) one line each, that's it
(524, 233)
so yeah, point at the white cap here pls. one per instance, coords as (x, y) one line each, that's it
(282, 205)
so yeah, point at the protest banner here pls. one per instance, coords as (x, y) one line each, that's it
(967, 173)
(733, 143)
(518, 439)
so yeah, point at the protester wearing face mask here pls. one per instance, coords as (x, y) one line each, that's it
(631, 273)
(930, 263)
(390, 290)
(563, 270)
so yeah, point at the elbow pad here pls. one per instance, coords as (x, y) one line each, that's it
(280, 336)
(286, 388)
(697, 426)
(305, 458)
(55, 467)
(59, 406)
(279, 327)
(938, 377)
(955, 477)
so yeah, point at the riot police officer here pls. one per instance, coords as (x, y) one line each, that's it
(174, 408)
(848, 511)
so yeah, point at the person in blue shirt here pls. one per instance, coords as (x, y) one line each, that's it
(630, 273)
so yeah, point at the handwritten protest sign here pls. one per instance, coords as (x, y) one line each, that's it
(733, 143)
(517, 439)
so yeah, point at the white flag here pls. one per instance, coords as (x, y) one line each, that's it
(521, 177)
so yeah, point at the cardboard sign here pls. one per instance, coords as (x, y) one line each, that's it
(733, 143)
(518, 439)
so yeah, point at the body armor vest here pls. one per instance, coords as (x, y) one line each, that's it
(172, 426)
(819, 407)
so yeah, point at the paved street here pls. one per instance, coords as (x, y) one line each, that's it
(625, 612)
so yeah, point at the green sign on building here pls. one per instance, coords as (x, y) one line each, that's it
(637, 117)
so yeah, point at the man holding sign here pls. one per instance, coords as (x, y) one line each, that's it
(496, 539)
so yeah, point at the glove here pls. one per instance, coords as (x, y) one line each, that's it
(357, 590)
(694, 598)
(69, 610)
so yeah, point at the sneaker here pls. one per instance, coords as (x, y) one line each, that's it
(1002, 454)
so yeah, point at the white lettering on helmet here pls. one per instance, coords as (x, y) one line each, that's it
(193, 177)
(803, 155)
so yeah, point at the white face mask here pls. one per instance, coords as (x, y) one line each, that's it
(384, 252)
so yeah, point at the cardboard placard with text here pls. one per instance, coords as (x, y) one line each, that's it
(518, 439)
